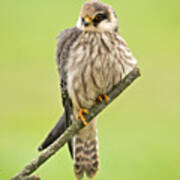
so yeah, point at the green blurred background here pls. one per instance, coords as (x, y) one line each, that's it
(139, 133)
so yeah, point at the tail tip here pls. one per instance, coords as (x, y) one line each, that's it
(40, 148)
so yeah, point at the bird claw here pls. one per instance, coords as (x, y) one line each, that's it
(104, 96)
(99, 99)
(81, 116)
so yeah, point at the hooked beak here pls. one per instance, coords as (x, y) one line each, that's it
(87, 21)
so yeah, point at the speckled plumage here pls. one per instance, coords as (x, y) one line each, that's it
(91, 59)
(97, 61)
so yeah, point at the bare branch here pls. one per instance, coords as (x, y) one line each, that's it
(34, 177)
(75, 127)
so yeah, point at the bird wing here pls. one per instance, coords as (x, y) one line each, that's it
(66, 39)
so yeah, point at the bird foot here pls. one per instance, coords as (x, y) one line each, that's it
(104, 96)
(81, 114)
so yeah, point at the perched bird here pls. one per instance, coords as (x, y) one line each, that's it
(92, 57)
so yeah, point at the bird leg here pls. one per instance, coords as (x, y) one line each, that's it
(104, 96)
(99, 98)
(81, 116)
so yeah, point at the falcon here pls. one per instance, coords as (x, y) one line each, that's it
(92, 57)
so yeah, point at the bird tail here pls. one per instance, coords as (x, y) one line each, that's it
(56, 132)
(85, 151)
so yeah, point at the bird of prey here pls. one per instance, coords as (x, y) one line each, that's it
(92, 57)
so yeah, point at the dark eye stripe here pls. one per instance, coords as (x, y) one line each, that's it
(99, 18)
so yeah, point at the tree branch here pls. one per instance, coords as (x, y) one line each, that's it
(33, 177)
(75, 127)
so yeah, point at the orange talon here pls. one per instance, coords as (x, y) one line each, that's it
(106, 98)
(85, 111)
(99, 99)
(81, 116)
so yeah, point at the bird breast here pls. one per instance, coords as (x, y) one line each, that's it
(97, 61)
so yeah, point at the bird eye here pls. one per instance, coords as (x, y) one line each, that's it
(100, 17)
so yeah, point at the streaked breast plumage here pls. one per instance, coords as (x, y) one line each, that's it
(97, 62)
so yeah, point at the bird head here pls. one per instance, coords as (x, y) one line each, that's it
(97, 16)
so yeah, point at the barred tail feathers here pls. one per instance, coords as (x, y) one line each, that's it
(86, 152)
